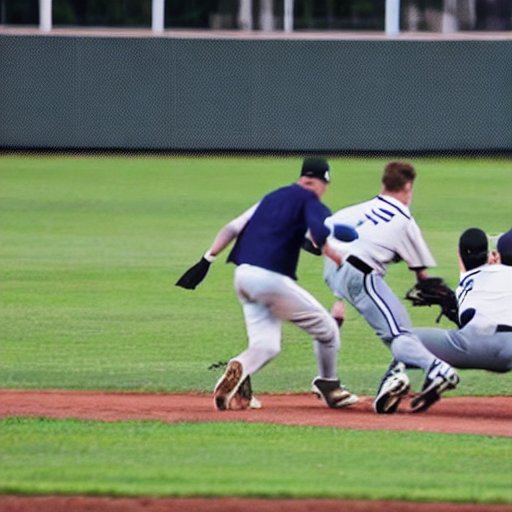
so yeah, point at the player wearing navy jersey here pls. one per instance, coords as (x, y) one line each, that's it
(269, 236)
(388, 233)
(484, 296)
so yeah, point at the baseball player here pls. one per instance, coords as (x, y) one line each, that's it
(484, 296)
(269, 236)
(387, 234)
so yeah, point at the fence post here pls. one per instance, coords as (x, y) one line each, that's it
(157, 15)
(392, 17)
(45, 15)
(288, 15)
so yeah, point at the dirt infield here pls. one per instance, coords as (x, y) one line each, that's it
(468, 415)
(92, 504)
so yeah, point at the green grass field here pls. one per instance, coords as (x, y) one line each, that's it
(140, 458)
(90, 249)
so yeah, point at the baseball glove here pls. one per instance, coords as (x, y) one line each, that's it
(435, 291)
(194, 275)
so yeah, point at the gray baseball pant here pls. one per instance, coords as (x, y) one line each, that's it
(477, 346)
(375, 301)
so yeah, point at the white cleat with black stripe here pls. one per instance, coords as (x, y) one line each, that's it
(441, 377)
(393, 387)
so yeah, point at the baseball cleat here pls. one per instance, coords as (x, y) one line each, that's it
(244, 398)
(227, 387)
(393, 387)
(441, 377)
(255, 403)
(332, 393)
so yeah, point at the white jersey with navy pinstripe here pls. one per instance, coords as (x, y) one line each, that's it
(487, 290)
(387, 233)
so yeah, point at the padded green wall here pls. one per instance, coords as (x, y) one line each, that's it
(272, 95)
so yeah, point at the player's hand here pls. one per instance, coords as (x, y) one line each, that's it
(309, 246)
(194, 275)
(493, 258)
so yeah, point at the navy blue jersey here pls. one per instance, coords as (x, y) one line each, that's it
(273, 237)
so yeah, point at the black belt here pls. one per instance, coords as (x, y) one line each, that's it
(359, 264)
(504, 328)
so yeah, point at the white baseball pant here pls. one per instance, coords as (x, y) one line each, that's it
(269, 298)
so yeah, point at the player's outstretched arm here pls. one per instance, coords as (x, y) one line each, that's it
(197, 272)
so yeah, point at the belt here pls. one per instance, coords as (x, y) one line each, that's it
(504, 328)
(359, 264)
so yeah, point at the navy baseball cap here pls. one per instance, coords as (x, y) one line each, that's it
(504, 247)
(316, 168)
(473, 247)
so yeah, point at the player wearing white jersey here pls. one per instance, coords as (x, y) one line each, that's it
(387, 234)
(484, 296)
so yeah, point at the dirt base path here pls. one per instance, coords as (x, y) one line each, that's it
(468, 415)
(92, 504)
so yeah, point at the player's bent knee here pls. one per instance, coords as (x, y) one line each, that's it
(320, 325)
(329, 334)
(269, 353)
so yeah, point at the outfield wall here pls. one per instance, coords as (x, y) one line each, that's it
(193, 93)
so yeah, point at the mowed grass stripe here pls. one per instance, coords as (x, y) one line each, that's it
(41, 456)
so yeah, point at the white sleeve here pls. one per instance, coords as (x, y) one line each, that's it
(239, 223)
(352, 215)
(415, 251)
(229, 232)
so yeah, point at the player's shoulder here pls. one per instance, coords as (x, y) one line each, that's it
(354, 207)
(294, 189)
(393, 206)
(286, 190)
(469, 274)
(291, 194)
(497, 268)
(483, 271)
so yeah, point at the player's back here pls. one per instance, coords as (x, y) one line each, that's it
(273, 237)
(488, 290)
(387, 233)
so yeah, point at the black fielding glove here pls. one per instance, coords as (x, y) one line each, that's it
(435, 291)
(194, 275)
